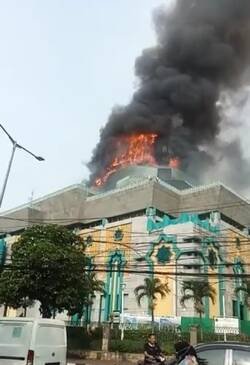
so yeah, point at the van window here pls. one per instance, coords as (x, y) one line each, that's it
(14, 333)
(50, 336)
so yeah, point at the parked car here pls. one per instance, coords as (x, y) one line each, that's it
(224, 353)
(26, 341)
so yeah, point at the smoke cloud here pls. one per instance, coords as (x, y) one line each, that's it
(203, 50)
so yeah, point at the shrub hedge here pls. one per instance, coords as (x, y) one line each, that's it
(80, 339)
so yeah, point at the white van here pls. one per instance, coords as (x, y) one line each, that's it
(27, 341)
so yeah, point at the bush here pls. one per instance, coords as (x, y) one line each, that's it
(79, 339)
(95, 345)
(129, 346)
(134, 340)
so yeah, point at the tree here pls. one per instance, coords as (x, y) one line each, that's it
(245, 288)
(93, 285)
(48, 265)
(151, 289)
(197, 291)
(10, 294)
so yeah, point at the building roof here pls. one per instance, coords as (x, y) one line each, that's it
(76, 204)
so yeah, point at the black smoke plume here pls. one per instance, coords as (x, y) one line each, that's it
(203, 48)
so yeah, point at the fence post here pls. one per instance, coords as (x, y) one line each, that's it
(193, 336)
(105, 337)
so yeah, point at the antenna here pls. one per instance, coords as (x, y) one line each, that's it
(31, 198)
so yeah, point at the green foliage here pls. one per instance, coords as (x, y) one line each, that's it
(197, 290)
(129, 346)
(151, 289)
(79, 339)
(11, 290)
(134, 340)
(48, 265)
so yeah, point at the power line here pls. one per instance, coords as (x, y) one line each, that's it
(187, 209)
(150, 272)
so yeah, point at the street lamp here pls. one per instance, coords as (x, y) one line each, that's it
(15, 145)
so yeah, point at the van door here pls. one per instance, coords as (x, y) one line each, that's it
(50, 345)
(15, 340)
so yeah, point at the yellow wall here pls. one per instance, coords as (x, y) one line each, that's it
(214, 308)
(242, 252)
(104, 242)
(164, 307)
(124, 245)
(96, 247)
(11, 312)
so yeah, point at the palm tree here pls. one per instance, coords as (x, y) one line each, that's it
(151, 288)
(245, 288)
(197, 291)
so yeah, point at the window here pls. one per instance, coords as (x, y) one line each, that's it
(125, 302)
(192, 239)
(212, 258)
(235, 308)
(237, 242)
(191, 267)
(242, 312)
(163, 255)
(212, 357)
(13, 334)
(241, 357)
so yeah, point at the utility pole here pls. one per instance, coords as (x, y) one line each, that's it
(15, 146)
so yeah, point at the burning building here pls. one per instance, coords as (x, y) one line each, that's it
(145, 211)
(174, 117)
(150, 220)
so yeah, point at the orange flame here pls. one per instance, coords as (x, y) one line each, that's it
(174, 163)
(132, 150)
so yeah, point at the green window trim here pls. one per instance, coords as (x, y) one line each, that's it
(3, 250)
(152, 224)
(163, 238)
(114, 283)
(118, 235)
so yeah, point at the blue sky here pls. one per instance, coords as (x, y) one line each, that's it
(64, 64)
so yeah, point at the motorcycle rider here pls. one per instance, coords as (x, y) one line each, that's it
(152, 352)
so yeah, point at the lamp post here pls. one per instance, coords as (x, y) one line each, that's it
(15, 145)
